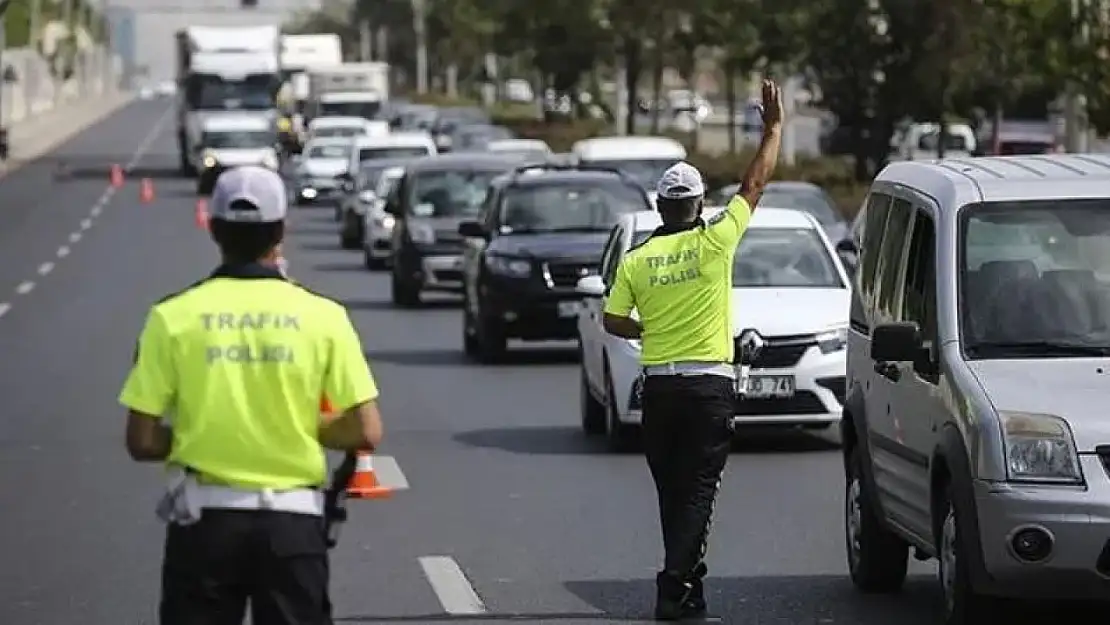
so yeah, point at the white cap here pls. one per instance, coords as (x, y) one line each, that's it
(681, 181)
(260, 188)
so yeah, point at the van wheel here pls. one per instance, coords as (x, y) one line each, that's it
(593, 411)
(962, 605)
(877, 558)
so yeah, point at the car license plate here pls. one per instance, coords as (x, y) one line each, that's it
(770, 386)
(569, 309)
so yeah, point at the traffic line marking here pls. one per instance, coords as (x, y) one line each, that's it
(4, 308)
(25, 287)
(455, 592)
(46, 268)
(63, 251)
(74, 237)
(86, 224)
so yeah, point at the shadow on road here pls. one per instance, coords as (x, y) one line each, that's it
(774, 441)
(545, 441)
(416, 358)
(318, 246)
(317, 230)
(381, 304)
(344, 266)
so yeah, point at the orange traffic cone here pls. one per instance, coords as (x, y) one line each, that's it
(116, 176)
(200, 214)
(146, 191)
(364, 483)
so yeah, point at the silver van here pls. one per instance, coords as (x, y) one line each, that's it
(976, 425)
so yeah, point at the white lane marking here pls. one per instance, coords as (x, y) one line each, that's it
(4, 308)
(389, 473)
(148, 140)
(86, 224)
(455, 592)
(96, 210)
(46, 268)
(74, 237)
(25, 287)
(63, 251)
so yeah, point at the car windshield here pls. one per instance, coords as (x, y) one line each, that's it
(646, 172)
(783, 258)
(569, 206)
(368, 177)
(450, 193)
(1036, 278)
(812, 201)
(366, 110)
(328, 151)
(239, 139)
(396, 151)
(339, 131)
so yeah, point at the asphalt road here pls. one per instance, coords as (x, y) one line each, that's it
(506, 498)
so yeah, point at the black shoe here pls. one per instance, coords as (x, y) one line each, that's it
(671, 596)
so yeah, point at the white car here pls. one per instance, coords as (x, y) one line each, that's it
(345, 126)
(377, 224)
(536, 148)
(319, 170)
(788, 287)
(642, 158)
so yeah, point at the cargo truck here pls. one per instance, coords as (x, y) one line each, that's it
(350, 89)
(301, 54)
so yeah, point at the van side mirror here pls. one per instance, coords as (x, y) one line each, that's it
(591, 286)
(473, 230)
(896, 342)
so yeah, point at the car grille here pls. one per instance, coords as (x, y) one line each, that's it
(568, 274)
(780, 351)
(803, 402)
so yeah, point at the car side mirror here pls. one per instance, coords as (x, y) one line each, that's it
(591, 286)
(367, 197)
(848, 252)
(473, 229)
(896, 342)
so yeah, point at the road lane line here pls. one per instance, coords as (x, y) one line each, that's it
(63, 251)
(149, 139)
(46, 268)
(455, 592)
(96, 209)
(86, 224)
(25, 287)
(74, 237)
(4, 308)
(389, 473)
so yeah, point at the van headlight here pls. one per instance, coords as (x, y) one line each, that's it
(1039, 448)
(833, 340)
(506, 266)
(270, 160)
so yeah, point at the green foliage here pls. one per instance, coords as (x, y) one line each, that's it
(17, 20)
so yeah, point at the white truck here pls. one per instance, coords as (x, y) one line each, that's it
(223, 68)
(301, 54)
(349, 89)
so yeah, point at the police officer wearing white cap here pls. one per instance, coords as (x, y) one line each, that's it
(679, 281)
(240, 362)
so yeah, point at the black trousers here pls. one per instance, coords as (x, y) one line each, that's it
(687, 434)
(276, 560)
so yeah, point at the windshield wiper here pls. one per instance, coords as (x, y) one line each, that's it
(1041, 348)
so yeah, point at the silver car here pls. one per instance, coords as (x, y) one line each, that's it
(377, 224)
(975, 427)
(319, 171)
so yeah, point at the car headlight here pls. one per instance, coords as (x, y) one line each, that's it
(386, 222)
(270, 160)
(1039, 448)
(832, 340)
(209, 160)
(422, 234)
(512, 267)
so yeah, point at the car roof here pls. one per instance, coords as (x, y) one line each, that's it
(466, 161)
(518, 144)
(794, 185)
(601, 148)
(339, 141)
(386, 163)
(394, 139)
(337, 120)
(956, 182)
(765, 217)
(540, 175)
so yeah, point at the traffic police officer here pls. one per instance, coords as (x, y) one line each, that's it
(239, 362)
(680, 282)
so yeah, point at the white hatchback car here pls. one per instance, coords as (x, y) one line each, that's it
(789, 289)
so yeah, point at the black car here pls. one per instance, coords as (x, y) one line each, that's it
(432, 198)
(450, 119)
(354, 205)
(541, 230)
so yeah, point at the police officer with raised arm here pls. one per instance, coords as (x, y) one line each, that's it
(679, 281)
(226, 387)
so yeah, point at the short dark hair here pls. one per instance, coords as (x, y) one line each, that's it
(245, 242)
(672, 210)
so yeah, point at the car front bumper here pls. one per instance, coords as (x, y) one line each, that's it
(1076, 517)
(317, 192)
(530, 311)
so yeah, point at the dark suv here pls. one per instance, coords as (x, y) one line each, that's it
(429, 202)
(542, 228)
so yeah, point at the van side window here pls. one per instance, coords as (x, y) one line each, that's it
(610, 258)
(891, 254)
(874, 219)
(919, 292)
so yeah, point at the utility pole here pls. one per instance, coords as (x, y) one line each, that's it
(365, 40)
(4, 4)
(418, 24)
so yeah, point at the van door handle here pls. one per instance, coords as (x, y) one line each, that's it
(888, 370)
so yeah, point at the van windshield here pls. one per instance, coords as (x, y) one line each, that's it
(646, 172)
(1036, 279)
(245, 139)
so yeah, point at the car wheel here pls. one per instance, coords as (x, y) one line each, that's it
(492, 342)
(877, 558)
(471, 347)
(349, 240)
(962, 605)
(618, 434)
(593, 411)
(373, 264)
(403, 294)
